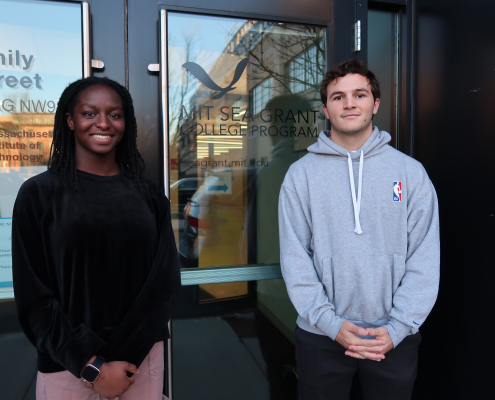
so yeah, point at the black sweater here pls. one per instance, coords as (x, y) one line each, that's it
(95, 271)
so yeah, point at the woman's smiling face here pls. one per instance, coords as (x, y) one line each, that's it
(97, 121)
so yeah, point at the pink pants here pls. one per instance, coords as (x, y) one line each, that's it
(148, 383)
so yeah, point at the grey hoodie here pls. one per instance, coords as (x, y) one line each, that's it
(373, 258)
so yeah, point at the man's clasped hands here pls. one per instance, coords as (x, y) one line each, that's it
(371, 349)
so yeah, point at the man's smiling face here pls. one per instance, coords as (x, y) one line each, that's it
(350, 105)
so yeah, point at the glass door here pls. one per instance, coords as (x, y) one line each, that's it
(242, 104)
(384, 59)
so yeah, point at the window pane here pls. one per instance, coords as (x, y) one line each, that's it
(243, 106)
(305, 69)
(40, 54)
(382, 60)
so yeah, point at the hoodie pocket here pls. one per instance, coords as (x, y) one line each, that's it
(361, 286)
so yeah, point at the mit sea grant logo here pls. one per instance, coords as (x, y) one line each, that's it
(223, 117)
(205, 79)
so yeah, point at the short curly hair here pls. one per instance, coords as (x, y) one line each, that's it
(345, 68)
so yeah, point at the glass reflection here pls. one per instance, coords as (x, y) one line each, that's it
(383, 41)
(40, 54)
(239, 355)
(244, 105)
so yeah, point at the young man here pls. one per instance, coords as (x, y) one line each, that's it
(359, 245)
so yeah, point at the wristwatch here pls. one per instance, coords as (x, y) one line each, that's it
(92, 371)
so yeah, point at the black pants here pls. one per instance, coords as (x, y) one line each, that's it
(326, 373)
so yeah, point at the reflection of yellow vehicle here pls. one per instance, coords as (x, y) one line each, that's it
(213, 233)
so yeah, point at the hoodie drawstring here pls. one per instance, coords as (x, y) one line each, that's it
(356, 203)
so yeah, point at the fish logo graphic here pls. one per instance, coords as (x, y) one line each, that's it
(203, 77)
(397, 191)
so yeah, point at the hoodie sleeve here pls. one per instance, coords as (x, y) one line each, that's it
(68, 341)
(416, 295)
(296, 257)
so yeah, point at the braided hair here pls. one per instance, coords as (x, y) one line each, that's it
(62, 151)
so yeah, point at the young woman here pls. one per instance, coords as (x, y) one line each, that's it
(94, 258)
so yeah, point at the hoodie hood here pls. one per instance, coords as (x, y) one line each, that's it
(376, 144)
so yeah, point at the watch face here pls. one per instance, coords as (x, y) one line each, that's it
(90, 373)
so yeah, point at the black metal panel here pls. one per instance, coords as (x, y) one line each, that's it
(391, 2)
(362, 15)
(143, 34)
(311, 10)
(455, 141)
(404, 70)
(342, 31)
(108, 38)
(411, 79)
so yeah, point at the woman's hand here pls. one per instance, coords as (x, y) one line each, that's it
(113, 380)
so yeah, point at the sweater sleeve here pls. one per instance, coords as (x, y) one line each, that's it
(417, 293)
(43, 320)
(303, 284)
(147, 320)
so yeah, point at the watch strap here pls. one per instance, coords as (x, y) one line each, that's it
(98, 362)
(92, 370)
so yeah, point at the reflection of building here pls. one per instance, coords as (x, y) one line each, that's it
(25, 140)
(283, 59)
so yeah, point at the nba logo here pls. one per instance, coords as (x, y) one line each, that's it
(397, 191)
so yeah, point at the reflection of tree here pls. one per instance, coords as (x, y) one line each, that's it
(179, 97)
(290, 49)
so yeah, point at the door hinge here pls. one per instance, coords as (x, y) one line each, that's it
(357, 36)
